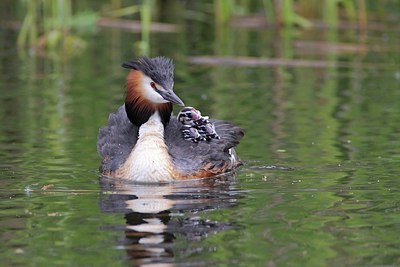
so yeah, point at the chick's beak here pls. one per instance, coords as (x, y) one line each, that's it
(171, 97)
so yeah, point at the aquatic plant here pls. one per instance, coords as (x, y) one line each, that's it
(50, 25)
(300, 13)
(47, 26)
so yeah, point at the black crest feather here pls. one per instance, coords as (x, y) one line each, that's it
(159, 69)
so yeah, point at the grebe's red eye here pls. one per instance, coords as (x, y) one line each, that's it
(153, 85)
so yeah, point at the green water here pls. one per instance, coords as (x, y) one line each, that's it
(319, 185)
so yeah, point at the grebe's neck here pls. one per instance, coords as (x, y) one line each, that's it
(153, 127)
(137, 106)
(149, 160)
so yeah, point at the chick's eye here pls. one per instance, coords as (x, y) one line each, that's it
(153, 85)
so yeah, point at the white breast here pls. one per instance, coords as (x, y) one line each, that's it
(149, 160)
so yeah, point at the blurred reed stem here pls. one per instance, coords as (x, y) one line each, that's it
(145, 17)
(28, 33)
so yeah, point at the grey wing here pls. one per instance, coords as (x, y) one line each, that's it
(215, 155)
(116, 140)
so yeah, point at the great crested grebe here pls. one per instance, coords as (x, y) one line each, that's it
(142, 142)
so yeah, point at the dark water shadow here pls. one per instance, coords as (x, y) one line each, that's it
(157, 214)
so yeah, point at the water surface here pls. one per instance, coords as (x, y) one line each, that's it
(319, 185)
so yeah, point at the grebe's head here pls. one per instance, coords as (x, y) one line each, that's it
(149, 88)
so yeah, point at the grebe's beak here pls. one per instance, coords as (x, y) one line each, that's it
(171, 97)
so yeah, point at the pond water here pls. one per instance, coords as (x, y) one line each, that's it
(319, 185)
